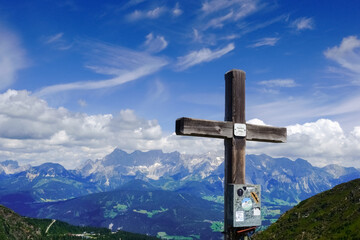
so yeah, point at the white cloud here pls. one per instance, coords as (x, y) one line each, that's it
(203, 55)
(12, 57)
(33, 132)
(54, 38)
(287, 82)
(240, 7)
(269, 41)
(219, 21)
(303, 24)
(30, 129)
(247, 28)
(322, 142)
(155, 43)
(124, 64)
(197, 35)
(57, 41)
(176, 11)
(231, 11)
(82, 103)
(148, 14)
(347, 54)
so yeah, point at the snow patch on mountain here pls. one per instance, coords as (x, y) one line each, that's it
(151, 165)
(12, 167)
(32, 176)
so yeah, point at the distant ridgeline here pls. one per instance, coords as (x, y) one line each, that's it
(13, 226)
(169, 195)
(333, 214)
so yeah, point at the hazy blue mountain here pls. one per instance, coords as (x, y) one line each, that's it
(140, 207)
(45, 183)
(284, 183)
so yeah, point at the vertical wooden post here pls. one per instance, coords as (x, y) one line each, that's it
(235, 146)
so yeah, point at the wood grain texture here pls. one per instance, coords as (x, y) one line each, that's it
(204, 128)
(235, 96)
(220, 129)
(235, 146)
(265, 133)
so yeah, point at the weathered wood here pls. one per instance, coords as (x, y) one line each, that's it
(265, 133)
(204, 128)
(222, 129)
(234, 145)
(235, 112)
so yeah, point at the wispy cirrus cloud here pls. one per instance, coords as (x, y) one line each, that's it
(12, 57)
(286, 83)
(269, 41)
(122, 63)
(54, 38)
(303, 23)
(230, 11)
(241, 8)
(203, 55)
(218, 22)
(247, 28)
(146, 14)
(347, 54)
(155, 43)
(57, 41)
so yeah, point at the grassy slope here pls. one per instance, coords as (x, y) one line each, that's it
(333, 214)
(15, 227)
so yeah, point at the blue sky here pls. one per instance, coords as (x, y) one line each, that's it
(79, 78)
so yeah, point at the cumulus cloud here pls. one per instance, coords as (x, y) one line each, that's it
(30, 129)
(123, 64)
(33, 132)
(155, 43)
(303, 23)
(12, 57)
(347, 54)
(321, 142)
(203, 55)
(269, 41)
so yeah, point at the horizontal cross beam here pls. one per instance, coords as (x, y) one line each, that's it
(225, 129)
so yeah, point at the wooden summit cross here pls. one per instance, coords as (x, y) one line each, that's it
(235, 131)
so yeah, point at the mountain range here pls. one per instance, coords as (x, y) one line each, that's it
(164, 194)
